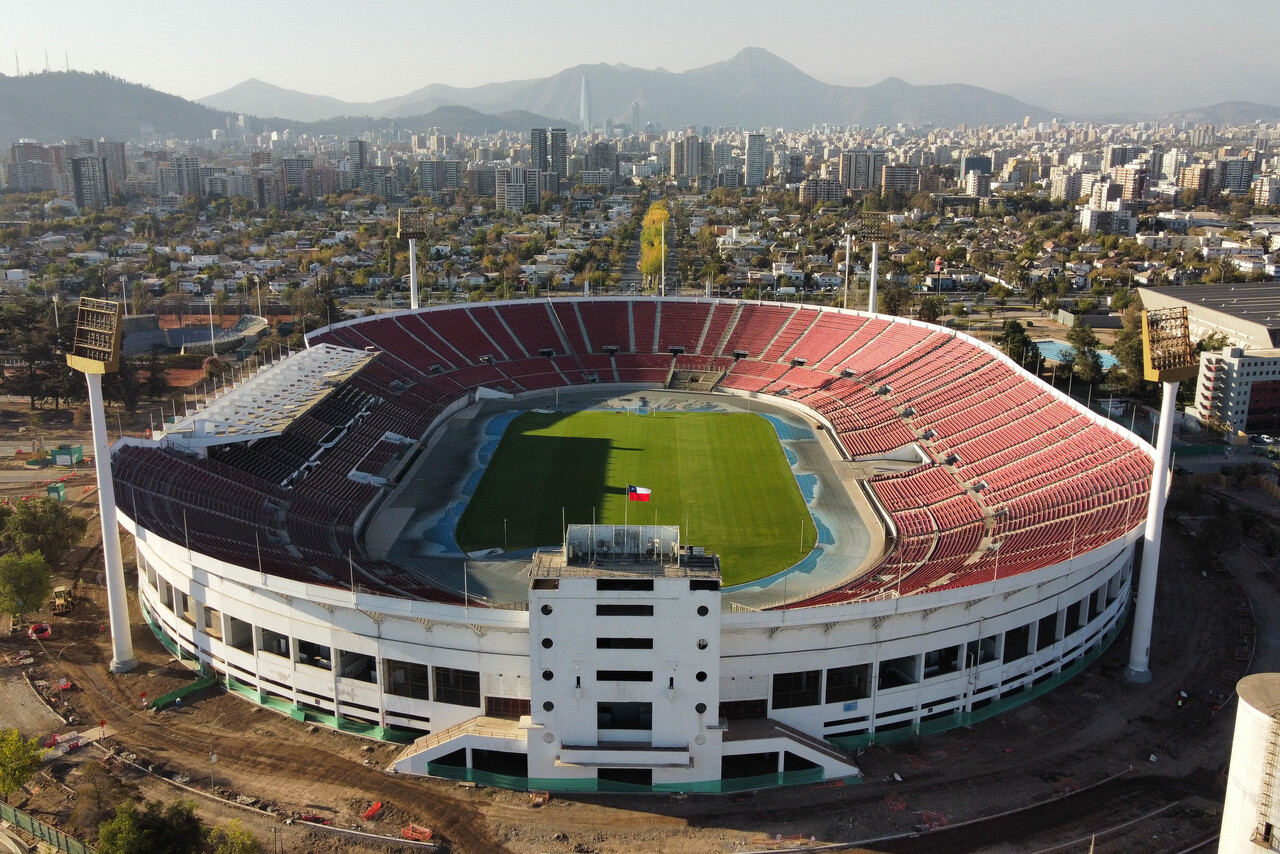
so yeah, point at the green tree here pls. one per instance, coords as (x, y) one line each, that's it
(1086, 363)
(931, 308)
(1212, 343)
(157, 384)
(19, 759)
(44, 525)
(893, 298)
(1221, 533)
(1128, 347)
(24, 582)
(97, 794)
(1017, 343)
(124, 385)
(231, 838)
(175, 829)
(26, 325)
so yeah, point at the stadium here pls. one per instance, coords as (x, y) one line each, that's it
(860, 529)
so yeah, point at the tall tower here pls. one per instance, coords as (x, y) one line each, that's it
(755, 161)
(584, 110)
(635, 117)
(89, 183)
(538, 148)
(560, 152)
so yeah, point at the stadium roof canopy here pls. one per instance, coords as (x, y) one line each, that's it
(1246, 312)
(271, 400)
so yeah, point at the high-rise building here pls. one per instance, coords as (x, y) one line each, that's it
(692, 157)
(977, 184)
(818, 190)
(90, 184)
(584, 108)
(538, 158)
(860, 168)
(1065, 183)
(1118, 155)
(635, 117)
(1132, 179)
(357, 159)
(975, 163)
(755, 160)
(1266, 190)
(559, 154)
(297, 173)
(721, 156)
(482, 180)
(602, 155)
(1235, 174)
(181, 177)
(117, 164)
(1203, 136)
(675, 160)
(1196, 178)
(357, 153)
(899, 178)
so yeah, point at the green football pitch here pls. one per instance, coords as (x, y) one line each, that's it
(722, 477)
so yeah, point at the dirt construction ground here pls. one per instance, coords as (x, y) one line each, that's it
(1126, 762)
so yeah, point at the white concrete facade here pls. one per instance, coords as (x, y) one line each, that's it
(862, 671)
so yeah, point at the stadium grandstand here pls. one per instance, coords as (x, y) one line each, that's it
(998, 562)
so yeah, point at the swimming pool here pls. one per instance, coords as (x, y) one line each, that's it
(1056, 351)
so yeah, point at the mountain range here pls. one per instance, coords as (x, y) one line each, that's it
(752, 89)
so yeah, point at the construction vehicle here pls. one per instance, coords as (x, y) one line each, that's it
(61, 599)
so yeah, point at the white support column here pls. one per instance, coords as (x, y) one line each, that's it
(1145, 604)
(875, 272)
(848, 262)
(413, 272)
(122, 657)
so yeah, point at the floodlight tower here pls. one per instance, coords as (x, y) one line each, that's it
(1167, 359)
(412, 224)
(872, 226)
(96, 351)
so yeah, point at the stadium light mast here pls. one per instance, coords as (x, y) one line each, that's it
(872, 226)
(96, 351)
(1168, 359)
(412, 224)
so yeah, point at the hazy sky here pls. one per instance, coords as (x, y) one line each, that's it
(1082, 58)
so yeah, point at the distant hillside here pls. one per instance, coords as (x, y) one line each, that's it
(1226, 113)
(58, 105)
(754, 88)
(256, 98)
(55, 105)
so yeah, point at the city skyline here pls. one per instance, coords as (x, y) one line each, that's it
(1091, 60)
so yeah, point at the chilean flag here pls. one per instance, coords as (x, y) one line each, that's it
(638, 493)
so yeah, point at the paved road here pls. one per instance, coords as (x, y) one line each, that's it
(631, 277)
